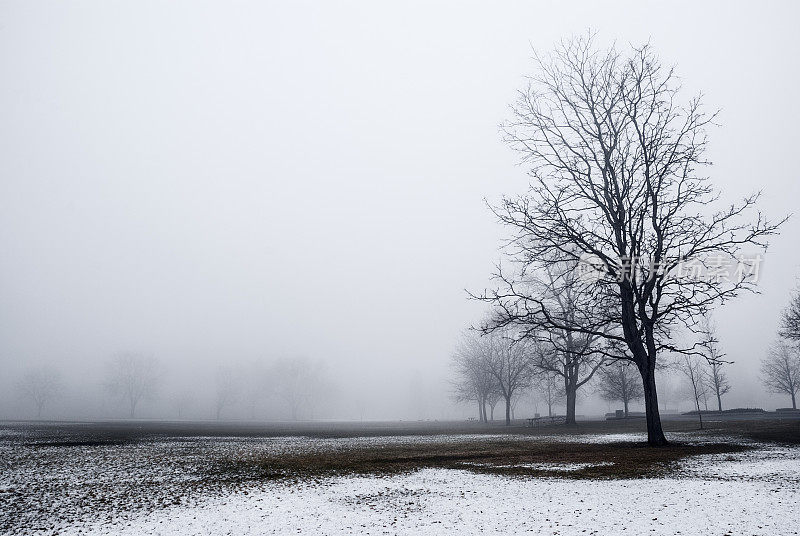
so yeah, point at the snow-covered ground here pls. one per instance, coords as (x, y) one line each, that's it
(751, 492)
(739, 496)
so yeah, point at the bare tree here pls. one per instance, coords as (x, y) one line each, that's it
(718, 381)
(40, 386)
(300, 383)
(790, 322)
(255, 388)
(550, 388)
(319, 388)
(228, 389)
(474, 380)
(780, 370)
(668, 386)
(696, 375)
(569, 354)
(511, 365)
(620, 381)
(132, 378)
(182, 401)
(716, 378)
(616, 159)
(491, 400)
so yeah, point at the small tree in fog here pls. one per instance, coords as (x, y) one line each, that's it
(780, 370)
(132, 378)
(550, 389)
(790, 322)
(716, 378)
(182, 401)
(474, 380)
(41, 387)
(492, 398)
(301, 384)
(511, 365)
(620, 382)
(694, 371)
(669, 388)
(557, 348)
(718, 383)
(228, 389)
(255, 388)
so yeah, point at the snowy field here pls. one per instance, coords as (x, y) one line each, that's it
(172, 486)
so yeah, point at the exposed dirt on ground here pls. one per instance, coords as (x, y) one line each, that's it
(58, 474)
(525, 456)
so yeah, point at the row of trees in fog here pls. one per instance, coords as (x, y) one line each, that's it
(293, 386)
(621, 247)
(502, 367)
(496, 368)
(781, 368)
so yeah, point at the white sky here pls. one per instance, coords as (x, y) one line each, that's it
(214, 182)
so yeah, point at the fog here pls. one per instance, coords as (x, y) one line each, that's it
(231, 185)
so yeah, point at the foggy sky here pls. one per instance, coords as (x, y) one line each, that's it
(232, 182)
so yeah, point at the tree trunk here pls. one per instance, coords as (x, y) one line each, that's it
(491, 409)
(549, 409)
(571, 395)
(625, 403)
(794, 402)
(508, 411)
(697, 405)
(719, 401)
(480, 410)
(699, 413)
(645, 358)
(655, 434)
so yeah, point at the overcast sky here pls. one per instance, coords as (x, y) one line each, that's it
(216, 182)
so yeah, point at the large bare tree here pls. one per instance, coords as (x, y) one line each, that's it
(132, 377)
(617, 166)
(780, 370)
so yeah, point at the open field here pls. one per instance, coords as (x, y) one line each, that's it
(187, 478)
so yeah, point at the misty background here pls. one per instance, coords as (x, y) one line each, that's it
(225, 186)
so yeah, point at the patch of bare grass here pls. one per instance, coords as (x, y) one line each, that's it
(520, 457)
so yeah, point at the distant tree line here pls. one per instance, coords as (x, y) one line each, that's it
(291, 387)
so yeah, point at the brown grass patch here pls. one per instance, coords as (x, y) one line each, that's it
(508, 457)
